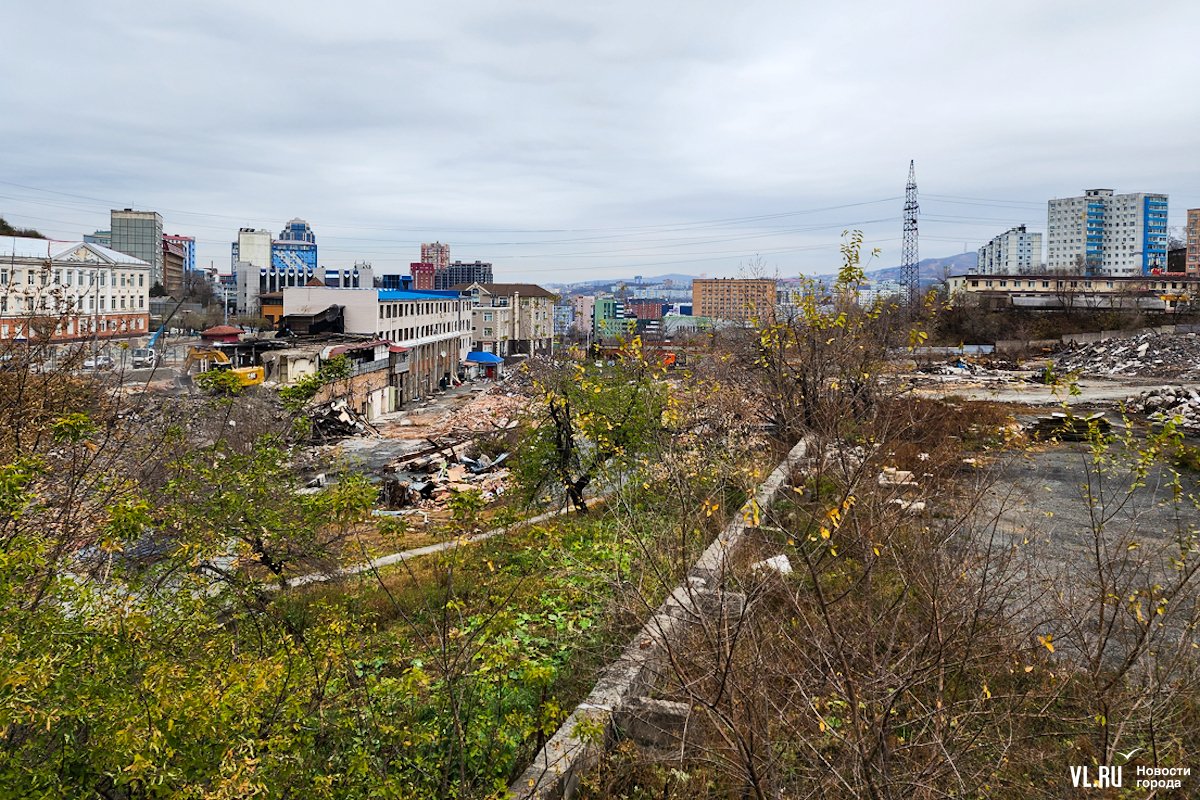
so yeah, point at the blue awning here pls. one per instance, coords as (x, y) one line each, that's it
(480, 357)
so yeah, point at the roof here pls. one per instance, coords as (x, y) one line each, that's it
(523, 289)
(411, 294)
(313, 281)
(64, 251)
(337, 350)
(480, 357)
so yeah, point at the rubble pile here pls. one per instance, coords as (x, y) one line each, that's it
(428, 478)
(1169, 403)
(338, 420)
(1068, 427)
(491, 410)
(1147, 356)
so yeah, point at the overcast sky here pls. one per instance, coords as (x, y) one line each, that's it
(592, 140)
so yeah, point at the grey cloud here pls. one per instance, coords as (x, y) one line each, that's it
(387, 123)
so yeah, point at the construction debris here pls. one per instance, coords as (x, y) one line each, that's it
(338, 420)
(494, 409)
(1169, 403)
(896, 477)
(779, 563)
(1067, 427)
(913, 507)
(1147, 356)
(430, 476)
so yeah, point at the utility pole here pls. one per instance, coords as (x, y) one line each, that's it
(910, 274)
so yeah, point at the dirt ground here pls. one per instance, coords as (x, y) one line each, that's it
(1094, 392)
(1041, 495)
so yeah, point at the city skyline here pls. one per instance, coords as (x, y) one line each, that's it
(591, 143)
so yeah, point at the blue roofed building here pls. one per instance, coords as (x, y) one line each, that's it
(435, 327)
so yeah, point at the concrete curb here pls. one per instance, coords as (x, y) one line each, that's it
(583, 736)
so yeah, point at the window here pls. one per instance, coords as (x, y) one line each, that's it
(487, 317)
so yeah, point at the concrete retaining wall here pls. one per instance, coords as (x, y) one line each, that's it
(583, 737)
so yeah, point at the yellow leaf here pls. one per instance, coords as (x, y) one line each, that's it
(1029, 669)
(987, 694)
(1045, 640)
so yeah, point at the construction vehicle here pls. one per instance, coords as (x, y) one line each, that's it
(144, 357)
(209, 359)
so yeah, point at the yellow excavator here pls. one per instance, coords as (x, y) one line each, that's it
(209, 359)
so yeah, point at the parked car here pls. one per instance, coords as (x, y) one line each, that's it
(99, 362)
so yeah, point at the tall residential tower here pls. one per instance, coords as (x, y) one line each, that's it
(1014, 252)
(1106, 234)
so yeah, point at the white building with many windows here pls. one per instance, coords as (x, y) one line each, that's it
(65, 291)
(1014, 252)
(435, 327)
(1103, 233)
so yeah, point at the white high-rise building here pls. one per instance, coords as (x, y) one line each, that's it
(1103, 233)
(251, 260)
(1014, 252)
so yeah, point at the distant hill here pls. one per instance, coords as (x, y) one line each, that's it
(930, 270)
(9, 230)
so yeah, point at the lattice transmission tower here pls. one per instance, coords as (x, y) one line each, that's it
(910, 271)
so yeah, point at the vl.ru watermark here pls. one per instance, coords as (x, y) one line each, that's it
(1149, 778)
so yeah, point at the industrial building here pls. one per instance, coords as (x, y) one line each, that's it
(434, 327)
(1164, 293)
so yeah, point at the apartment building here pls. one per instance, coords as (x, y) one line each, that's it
(735, 299)
(584, 305)
(434, 327)
(1102, 233)
(70, 291)
(1193, 241)
(186, 243)
(460, 272)
(174, 267)
(436, 253)
(564, 319)
(510, 318)
(1014, 252)
(609, 320)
